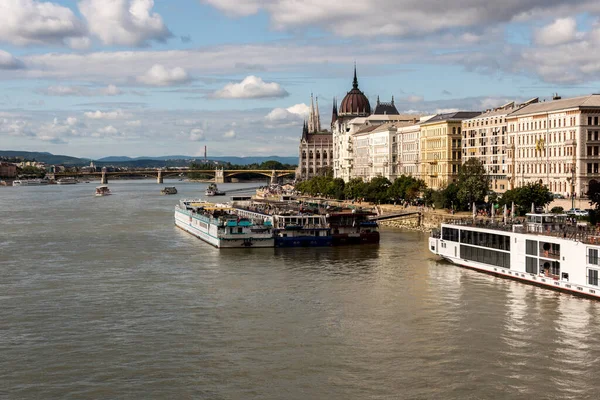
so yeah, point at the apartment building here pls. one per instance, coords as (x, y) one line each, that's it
(441, 147)
(485, 138)
(556, 143)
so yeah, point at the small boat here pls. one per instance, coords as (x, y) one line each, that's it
(66, 181)
(213, 190)
(169, 190)
(103, 191)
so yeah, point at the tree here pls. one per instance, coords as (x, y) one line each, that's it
(594, 194)
(335, 188)
(377, 189)
(355, 189)
(524, 196)
(271, 164)
(405, 188)
(473, 182)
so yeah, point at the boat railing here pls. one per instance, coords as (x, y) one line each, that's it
(581, 233)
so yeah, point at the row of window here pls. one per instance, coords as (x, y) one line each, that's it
(484, 239)
(485, 256)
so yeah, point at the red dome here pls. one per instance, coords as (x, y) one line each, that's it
(355, 102)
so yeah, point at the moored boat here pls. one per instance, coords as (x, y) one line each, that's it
(169, 190)
(103, 191)
(219, 226)
(353, 227)
(30, 182)
(213, 190)
(66, 181)
(546, 250)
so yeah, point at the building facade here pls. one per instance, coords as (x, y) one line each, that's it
(315, 153)
(556, 143)
(8, 170)
(440, 148)
(485, 138)
(405, 149)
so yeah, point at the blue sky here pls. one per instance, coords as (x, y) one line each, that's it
(93, 78)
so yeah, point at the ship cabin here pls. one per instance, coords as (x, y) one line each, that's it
(543, 223)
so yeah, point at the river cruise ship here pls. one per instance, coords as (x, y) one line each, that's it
(219, 226)
(545, 249)
(30, 182)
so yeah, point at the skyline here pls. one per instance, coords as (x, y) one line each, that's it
(140, 77)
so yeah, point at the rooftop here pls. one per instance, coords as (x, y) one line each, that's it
(455, 116)
(592, 100)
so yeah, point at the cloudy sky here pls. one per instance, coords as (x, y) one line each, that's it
(93, 78)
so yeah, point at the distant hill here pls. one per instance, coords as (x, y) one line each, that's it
(226, 159)
(45, 157)
(172, 161)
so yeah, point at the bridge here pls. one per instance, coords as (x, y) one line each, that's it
(220, 175)
(405, 214)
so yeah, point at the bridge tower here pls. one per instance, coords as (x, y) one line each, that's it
(159, 179)
(104, 179)
(273, 177)
(219, 176)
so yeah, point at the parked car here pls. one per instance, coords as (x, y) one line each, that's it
(558, 196)
(577, 212)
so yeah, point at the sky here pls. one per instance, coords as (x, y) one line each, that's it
(93, 78)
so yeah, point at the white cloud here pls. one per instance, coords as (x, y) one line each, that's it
(293, 114)
(230, 134)
(562, 30)
(196, 135)
(51, 139)
(117, 114)
(31, 22)
(8, 61)
(158, 75)
(124, 22)
(107, 131)
(252, 87)
(110, 90)
(414, 99)
(404, 18)
(136, 123)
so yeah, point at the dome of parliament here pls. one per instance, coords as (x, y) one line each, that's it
(355, 102)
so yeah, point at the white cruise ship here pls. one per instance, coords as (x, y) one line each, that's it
(221, 227)
(545, 250)
(30, 182)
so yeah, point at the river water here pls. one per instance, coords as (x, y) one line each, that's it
(105, 298)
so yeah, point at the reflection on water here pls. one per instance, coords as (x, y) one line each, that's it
(105, 298)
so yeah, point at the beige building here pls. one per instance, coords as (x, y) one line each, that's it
(485, 138)
(556, 143)
(405, 152)
(440, 148)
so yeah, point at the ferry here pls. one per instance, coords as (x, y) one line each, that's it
(169, 190)
(219, 226)
(353, 227)
(547, 250)
(103, 191)
(213, 190)
(30, 182)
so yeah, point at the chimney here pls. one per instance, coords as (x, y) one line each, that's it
(205, 153)
(555, 96)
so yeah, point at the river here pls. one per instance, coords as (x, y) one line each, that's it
(105, 298)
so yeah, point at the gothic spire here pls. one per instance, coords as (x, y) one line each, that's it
(355, 81)
(334, 113)
(317, 116)
(311, 115)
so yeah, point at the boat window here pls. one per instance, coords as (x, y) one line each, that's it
(450, 234)
(485, 256)
(531, 265)
(593, 256)
(593, 277)
(531, 247)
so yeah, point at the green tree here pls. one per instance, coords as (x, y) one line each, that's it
(405, 188)
(335, 188)
(355, 189)
(377, 189)
(473, 182)
(271, 164)
(524, 196)
(593, 194)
